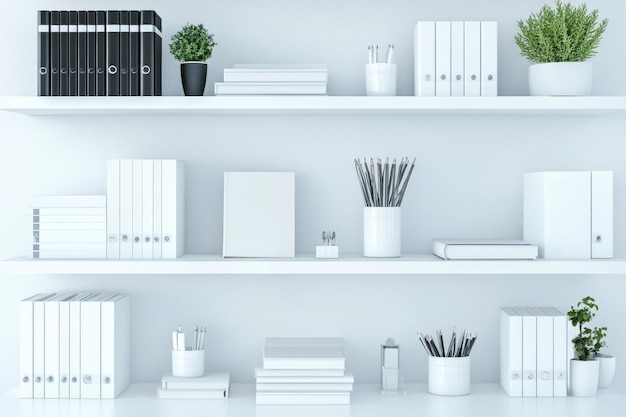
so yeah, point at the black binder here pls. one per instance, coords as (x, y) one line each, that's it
(150, 53)
(73, 53)
(91, 53)
(134, 52)
(124, 57)
(54, 53)
(113, 53)
(101, 53)
(64, 62)
(82, 53)
(43, 88)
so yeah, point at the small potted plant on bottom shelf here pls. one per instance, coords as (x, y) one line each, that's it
(559, 41)
(584, 369)
(192, 46)
(606, 362)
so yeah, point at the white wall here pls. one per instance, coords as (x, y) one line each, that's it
(467, 184)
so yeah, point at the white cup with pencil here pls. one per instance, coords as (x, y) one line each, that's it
(381, 77)
(188, 361)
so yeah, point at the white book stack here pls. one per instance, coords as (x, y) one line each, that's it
(274, 80)
(303, 371)
(208, 386)
(67, 226)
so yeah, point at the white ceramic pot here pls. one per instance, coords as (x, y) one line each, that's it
(382, 227)
(584, 377)
(449, 376)
(607, 370)
(560, 79)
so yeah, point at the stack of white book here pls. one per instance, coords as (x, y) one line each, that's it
(303, 371)
(273, 80)
(67, 226)
(208, 386)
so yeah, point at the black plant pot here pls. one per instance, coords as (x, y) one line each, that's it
(193, 75)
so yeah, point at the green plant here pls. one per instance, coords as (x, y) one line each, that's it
(598, 334)
(583, 342)
(192, 43)
(565, 33)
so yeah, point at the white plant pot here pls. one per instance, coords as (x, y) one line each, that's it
(584, 377)
(560, 79)
(607, 370)
(382, 232)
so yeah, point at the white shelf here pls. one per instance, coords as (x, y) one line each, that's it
(314, 105)
(308, 265)
(484, 400)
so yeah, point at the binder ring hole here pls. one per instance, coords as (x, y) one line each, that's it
(50, 379)
(107, 380)
(112, 69)
(145, 70)
(38, 379)
(74, 379)
(490, 77)
(427, 77)
(473, 77)
(43, 71)
(458, 77)
(25, 379)
(136, 239)
(166, 238)
(443, 77)
(147, 239)
(87, 379)
(598, 239)
(64, 379)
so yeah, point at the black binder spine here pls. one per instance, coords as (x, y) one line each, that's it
(64, 61)
(124, 56)
(101, 53)
(134, 52)
(73, 53)
(82, 53)
(44, 53)
(91, 53)
(148, 29)
(158, 55)
(54, 53)
(113, 53)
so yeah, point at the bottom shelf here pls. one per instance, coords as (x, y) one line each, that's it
(484, 400)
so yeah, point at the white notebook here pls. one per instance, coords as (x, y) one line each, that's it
(459, 249)
(275, 357)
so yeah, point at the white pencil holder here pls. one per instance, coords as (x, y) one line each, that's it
(381, 79)
(188, 363)
(449, 376)
(382, 232)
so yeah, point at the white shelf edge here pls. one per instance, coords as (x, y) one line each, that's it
(308, 265)
(313, 105)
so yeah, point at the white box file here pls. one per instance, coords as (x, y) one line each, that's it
(569, 214)
(259, 214)
(511, 344)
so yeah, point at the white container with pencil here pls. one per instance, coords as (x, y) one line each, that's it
(188, 361)
(383, 186)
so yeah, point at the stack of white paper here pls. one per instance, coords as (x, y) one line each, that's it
(273, 80)
(213, 385)
(67, 226)
(303, 371)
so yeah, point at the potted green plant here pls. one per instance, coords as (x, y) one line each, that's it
(606, 362)
(559, 41)
(192, 46)
(584, 369)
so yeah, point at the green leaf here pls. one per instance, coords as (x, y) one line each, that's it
(192, 43)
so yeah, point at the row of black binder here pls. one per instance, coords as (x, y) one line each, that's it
(99, 53)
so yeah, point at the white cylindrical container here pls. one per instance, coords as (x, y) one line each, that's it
(381, 79)
(583, 377)
(188, 363)
(382, 232)
(607, 370)
(449, 376)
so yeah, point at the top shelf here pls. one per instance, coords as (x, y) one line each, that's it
(314, 105)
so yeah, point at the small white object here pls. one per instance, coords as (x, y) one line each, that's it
(188, 363)
(560, 79)
(381, 79)
(511, 351)
(424, 55)
(327, 251)
(449, 376)
(382, 232)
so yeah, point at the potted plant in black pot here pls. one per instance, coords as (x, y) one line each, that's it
(192, 46)
(584, 369)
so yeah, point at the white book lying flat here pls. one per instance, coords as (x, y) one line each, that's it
(69, 236)
(304, 341)
(69, 226)
(98, 218)
(283, 88)
(484, 249)
(275, 75)
(348, 378)
(303, 358)
(297, 373)
(299, 398)
(68, 211)
(304, 387)
(191, 394)
(283, 66)
(211, 381)
(68, 201)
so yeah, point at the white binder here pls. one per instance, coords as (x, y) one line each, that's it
(75, 344)
(529, 352)
(39, 351)
(137, 208)
(472, 59)
(442, 59)
(148, 208)
(64, 346)
(489, 59)
(457, 56)
(173, 208)
(126, 209)
(424, 44)
(545, 352)
(90, 340)
(115, 355)
(561, 344)
(51, 345)
(511, 351)
(27, 343)
(113, 209)
(601, 214)
(157, 203)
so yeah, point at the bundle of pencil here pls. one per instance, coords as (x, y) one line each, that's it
(434, 346)
(383, 184)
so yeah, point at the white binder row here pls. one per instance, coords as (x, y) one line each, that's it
(145, 209)
(74, 345)
(533, 352)
(456, 59)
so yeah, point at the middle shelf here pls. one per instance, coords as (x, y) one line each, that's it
(308, 265)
